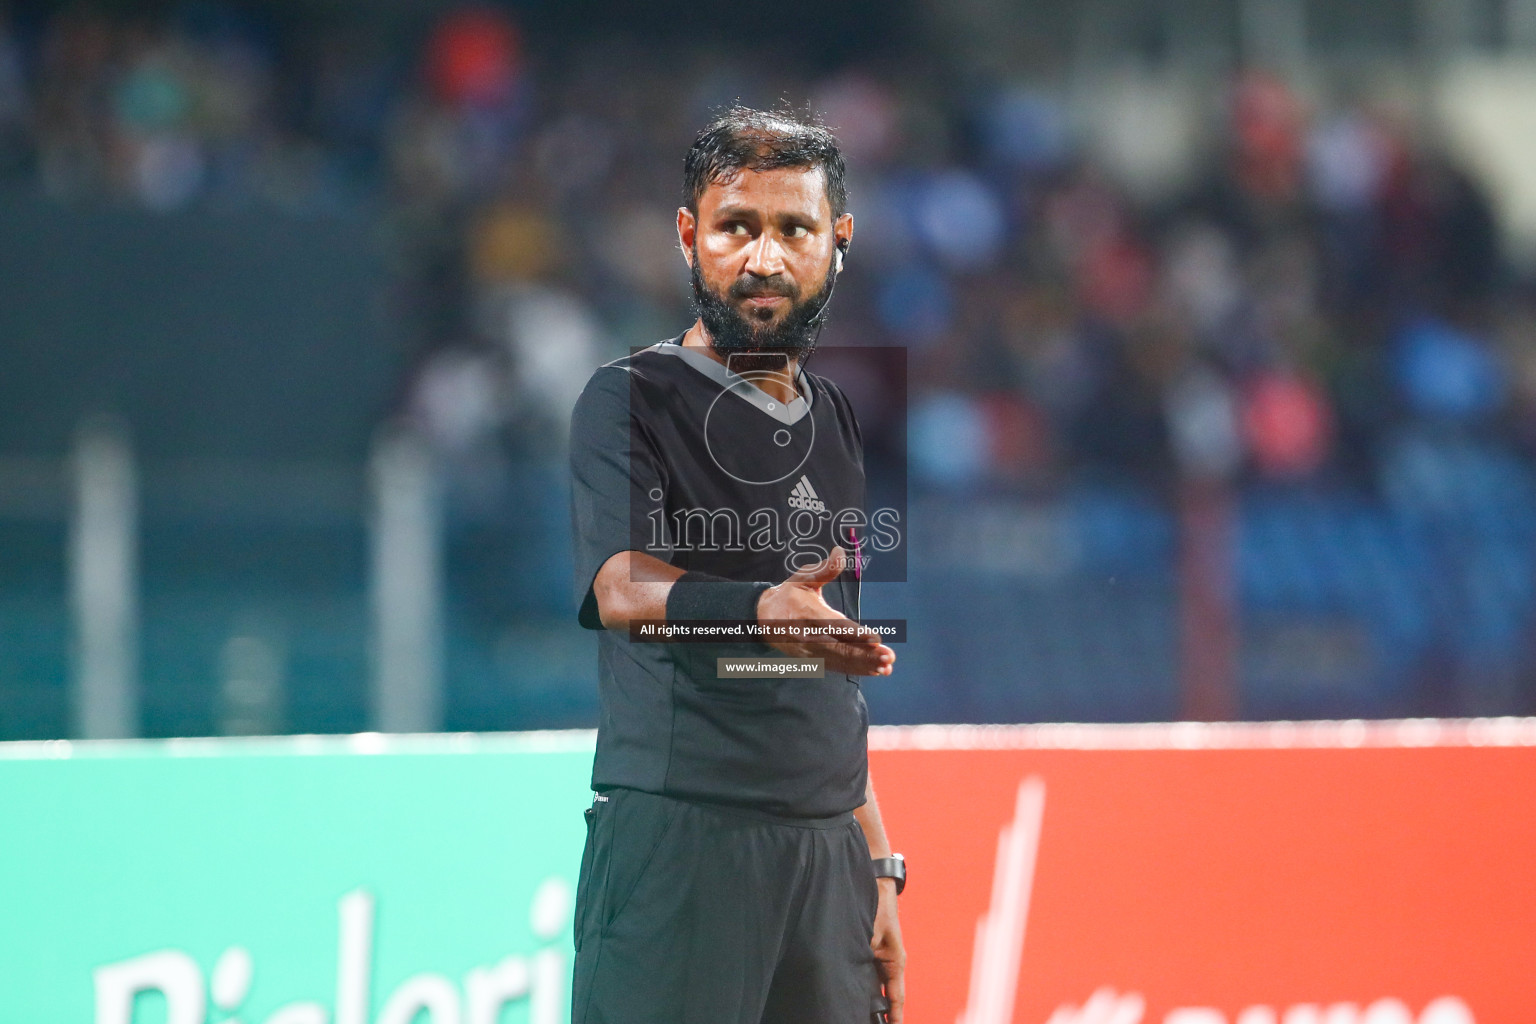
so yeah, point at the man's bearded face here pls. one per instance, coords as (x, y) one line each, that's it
(734, 327)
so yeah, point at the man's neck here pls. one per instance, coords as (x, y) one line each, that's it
(777, 383)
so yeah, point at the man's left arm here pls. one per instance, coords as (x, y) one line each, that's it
(890, 954)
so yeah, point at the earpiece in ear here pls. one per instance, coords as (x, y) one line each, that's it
(842, 250)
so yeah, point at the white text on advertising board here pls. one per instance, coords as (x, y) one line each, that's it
(541, 978)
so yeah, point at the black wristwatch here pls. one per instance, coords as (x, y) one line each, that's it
(894, 866)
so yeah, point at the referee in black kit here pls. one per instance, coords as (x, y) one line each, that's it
(736, 870)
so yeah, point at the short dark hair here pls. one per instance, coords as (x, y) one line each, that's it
(763, 140)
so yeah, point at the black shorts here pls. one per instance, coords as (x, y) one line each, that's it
(696, 914)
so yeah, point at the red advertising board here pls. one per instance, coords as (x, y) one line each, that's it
(1321, 873)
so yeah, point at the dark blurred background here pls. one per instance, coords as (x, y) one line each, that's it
(1218, 321)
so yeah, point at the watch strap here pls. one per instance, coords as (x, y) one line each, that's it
(895, 867)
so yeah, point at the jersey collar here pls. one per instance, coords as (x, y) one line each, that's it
(788, 414)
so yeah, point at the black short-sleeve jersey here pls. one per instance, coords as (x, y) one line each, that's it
(674, 455)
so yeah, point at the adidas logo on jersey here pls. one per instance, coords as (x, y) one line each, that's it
(804, 497)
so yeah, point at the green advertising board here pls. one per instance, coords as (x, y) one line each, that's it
(304, 880)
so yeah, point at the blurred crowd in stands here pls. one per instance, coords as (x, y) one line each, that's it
(1286, 287)
(1321, 274)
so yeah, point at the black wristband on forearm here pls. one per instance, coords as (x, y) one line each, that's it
(698, 595)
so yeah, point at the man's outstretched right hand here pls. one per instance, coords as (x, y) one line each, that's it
(798, 599)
